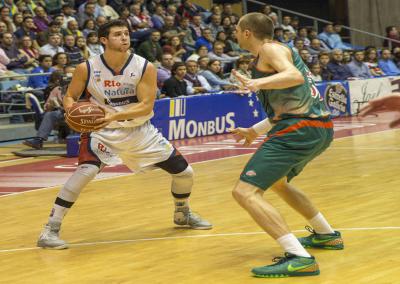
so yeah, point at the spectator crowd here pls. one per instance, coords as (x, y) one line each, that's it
(193, 48)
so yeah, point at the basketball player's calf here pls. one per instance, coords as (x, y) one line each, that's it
(69, 193)
(322, 235)
(181, 187)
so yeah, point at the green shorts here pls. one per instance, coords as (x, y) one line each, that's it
(289, 146)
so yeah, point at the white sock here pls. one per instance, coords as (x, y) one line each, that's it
(320, 225)
(181, 203)
(291, 244)
(57, 213)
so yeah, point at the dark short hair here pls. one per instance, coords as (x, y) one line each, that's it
(91, 34)
(43, 57)
(389, 29)
(298, 39)
(189, 61)
(55, 57)
(242, 61)
(324, 53)
(176, 66)
(259, 24)
(201, 46)
(104, 30)
(55, 34)
(27, 18)
(202, 57)
(53, 23)
(2, 36)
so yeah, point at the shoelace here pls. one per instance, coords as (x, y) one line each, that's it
(282, 259)
(311, 230)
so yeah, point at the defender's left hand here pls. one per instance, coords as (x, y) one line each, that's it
(247, 83)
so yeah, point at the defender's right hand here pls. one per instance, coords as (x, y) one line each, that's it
(244, 133)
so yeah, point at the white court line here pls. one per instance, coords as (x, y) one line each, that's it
(224, 158)
(192, 237)
(16, 160)
(367, 148)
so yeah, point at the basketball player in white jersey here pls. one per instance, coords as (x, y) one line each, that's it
(125, 86)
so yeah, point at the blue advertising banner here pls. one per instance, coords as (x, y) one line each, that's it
(201, 115)
(336, 97)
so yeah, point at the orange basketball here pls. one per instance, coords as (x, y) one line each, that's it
(81, 116)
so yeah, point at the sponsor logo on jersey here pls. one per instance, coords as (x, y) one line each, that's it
(119, 92)
(121, 101)
(111, 83)
(96, 75)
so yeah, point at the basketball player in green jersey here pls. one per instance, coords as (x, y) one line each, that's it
(299, 130)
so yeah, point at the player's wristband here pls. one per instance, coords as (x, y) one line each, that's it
(262, 127)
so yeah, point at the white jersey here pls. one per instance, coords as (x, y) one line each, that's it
(116, 92)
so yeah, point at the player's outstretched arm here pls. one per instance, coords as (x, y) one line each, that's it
(146, 93)
(76, 87)
(387, 103)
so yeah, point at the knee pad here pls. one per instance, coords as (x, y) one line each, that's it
(174, 165)
(182, 183)
(79, 179)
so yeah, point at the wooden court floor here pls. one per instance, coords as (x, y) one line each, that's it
(121, 229)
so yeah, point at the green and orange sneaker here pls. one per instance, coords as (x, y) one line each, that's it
(288, 266)
(322, 241)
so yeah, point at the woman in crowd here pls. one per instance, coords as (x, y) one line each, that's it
(60, 60)
(242, 67)
(175, 48)
(95, 48)
(30, 52)
(17, 20)
(201, 51)
(81, 44)
(227, 24)
(371, 59)
(88, 26)
(214, 76)
(315, 69)
(3, 27)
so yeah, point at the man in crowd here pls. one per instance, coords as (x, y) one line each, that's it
(176, 85)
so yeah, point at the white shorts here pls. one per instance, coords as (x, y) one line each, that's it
(137, 147)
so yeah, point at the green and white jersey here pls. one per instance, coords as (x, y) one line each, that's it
(299, 101)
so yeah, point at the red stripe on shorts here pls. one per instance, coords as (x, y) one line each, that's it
(301, 124)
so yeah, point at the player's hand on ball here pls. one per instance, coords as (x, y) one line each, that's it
(248, 134)
(103, 122)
